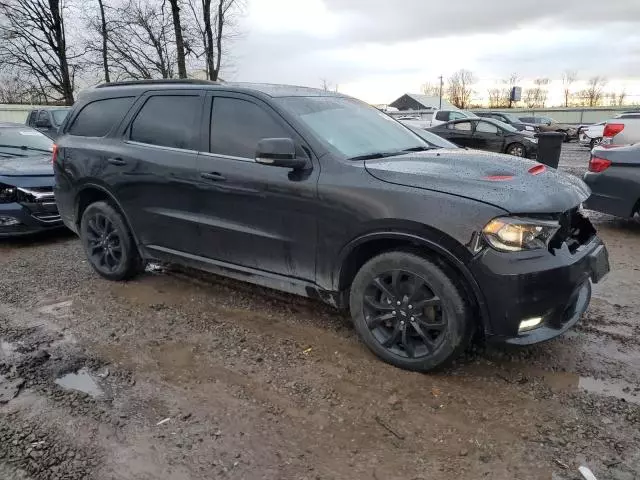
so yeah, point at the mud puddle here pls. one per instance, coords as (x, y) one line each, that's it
(81, 381)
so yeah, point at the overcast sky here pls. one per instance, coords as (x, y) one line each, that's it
(377, 50)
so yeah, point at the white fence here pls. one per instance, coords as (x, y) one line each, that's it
(16, 113)
(574, 116)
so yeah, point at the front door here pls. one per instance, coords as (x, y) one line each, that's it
(487, 136)
(255, 216)
(156, 171)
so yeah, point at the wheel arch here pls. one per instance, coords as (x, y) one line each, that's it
(92, 192)
(436, 245)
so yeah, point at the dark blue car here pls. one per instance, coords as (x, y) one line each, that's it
(27, 204)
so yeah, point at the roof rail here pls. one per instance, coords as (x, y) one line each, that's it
(163, 81)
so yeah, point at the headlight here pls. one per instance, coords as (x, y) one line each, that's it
(8, 194)
(532, 139)
(517, 234)
(530, 128)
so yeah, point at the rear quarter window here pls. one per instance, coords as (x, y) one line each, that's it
(97, 118)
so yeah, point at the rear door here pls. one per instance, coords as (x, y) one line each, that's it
(487, 136)
(460, 133)
(155, 170)
(253, 215)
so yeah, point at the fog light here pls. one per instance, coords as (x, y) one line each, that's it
(529, 323)
(8, 221)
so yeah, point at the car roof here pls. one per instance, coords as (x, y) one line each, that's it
(269, 89)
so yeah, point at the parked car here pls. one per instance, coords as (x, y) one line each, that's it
(509, 119)
(432, 139)
(622, 130)
(27, 204)
(547, 124)
(614, 179)
(321, 195)
(591, 136)
(47, 121)
(488, 134)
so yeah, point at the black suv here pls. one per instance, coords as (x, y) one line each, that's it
(321, 195)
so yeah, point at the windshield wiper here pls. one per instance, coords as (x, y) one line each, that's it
(373, 155)
(25, 147)
(418, 149)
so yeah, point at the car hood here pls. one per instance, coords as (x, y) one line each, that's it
(482, 177)
(35, 171)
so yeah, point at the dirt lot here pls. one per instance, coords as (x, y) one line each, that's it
(177, 377)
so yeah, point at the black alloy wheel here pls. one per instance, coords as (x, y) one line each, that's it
(104, 243)
(108, 242)
(410, 311)
(404, 315)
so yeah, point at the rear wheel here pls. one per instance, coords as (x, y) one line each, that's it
(409, 311)
(108, 242)
(516, 149)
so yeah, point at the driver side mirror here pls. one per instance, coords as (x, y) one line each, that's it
(279, 152)
(43, 123)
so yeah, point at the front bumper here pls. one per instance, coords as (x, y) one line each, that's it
(32, 219)
(525, 285)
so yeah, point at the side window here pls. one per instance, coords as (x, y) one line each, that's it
(98, 118)
(486, 127)
(442, 116)
(457, 116)
(31, 120)
(42, 116)
(168, 121)
(238, 125)
(464, 126)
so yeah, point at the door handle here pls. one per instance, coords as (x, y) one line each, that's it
(116, 161)
(214, 176)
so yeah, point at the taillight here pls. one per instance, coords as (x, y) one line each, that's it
(597, 164)
(54, 154)
(612, 129)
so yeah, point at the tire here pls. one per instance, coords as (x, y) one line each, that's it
(437, 328)
(517, 150)
(595, 142)
(108, 243)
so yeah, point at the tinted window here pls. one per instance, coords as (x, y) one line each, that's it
(98, 118)
(442, 116)
(486, 127)
(238, 125)
(32, 118)
(43, 117)
(168, 121)
(59, 116)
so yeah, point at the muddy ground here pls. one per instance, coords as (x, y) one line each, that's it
(196, 377)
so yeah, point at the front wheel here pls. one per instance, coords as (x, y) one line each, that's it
(516, 149)
(409, 311)
(108, 243)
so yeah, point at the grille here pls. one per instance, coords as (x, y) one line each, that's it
(41, 203)
(575, 230)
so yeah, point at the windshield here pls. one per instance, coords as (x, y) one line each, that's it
(504, 126)
(350, 127)
(511, 117)
(59, 116)
(23, 142)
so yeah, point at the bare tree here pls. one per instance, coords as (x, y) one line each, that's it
(459, 89)
(214, 21)
(430, 89)
(622, 97)
(177, 27)
(140, 40)
(594, 91)
(33, 41)
(568, 78)
(104, 33)
(536, 97)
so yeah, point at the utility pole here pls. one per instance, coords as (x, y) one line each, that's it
(441, 84)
